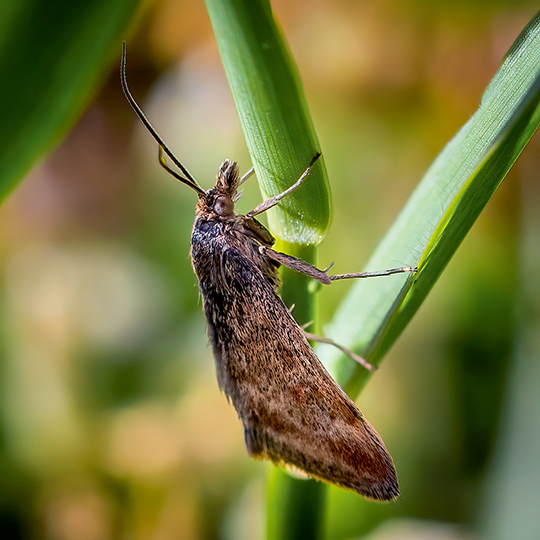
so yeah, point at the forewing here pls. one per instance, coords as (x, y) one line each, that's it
(292, 410)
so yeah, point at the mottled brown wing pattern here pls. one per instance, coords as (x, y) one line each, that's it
(292, 410)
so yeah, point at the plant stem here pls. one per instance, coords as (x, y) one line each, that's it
(295, 507)
(272, 109)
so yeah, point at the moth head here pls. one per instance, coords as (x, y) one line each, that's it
(224, 206)
(220, 199)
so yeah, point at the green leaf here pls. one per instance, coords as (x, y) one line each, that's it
(440, 212)
(281, 140)
(52, 57)
(274, 116)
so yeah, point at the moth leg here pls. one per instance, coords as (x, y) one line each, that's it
(272, 201)
(344, 350)
(320, 275)
(296, 264)
(376, 273)
(246, 176)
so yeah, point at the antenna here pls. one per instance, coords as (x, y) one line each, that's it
(187, 178)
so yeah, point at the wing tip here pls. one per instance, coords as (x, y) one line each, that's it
(383, 491)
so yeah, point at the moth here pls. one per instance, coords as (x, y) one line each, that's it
(294, 414)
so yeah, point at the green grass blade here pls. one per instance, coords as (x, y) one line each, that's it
(274, 116)
(52, 55)
(281, 140)
(441, 211)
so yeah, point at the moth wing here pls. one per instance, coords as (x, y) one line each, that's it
(293, 412)
(307, 421)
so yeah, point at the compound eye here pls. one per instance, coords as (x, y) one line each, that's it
(224, 206)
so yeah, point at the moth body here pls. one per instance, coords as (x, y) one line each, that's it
(293, 412)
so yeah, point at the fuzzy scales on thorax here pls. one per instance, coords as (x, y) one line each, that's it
(213, 236)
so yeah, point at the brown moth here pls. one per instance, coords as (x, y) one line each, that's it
(293, 412)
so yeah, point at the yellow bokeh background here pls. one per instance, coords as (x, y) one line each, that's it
(113, 424)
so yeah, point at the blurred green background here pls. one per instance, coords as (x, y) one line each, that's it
(112, 425)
